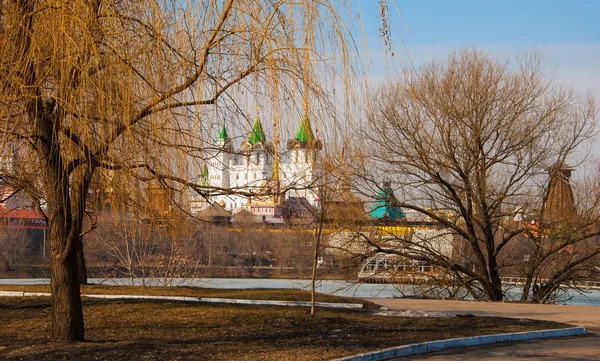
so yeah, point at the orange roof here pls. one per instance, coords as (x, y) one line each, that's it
(20, 213)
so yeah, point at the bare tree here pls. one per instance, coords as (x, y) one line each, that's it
(89, 85)
(468, 141)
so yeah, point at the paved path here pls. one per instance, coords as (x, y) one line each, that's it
(577, 348)
(581, 348)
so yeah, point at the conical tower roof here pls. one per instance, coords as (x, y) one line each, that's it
(223, 136)
(305, 137)
(560, 202)
(203, 178)
(386, 205)
(305, 133)
(204, 171)
(257, 135)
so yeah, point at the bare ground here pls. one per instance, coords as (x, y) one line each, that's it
(158, 330)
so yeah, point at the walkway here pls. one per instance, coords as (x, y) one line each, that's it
(577, 348)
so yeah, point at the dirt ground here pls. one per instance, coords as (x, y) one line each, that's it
(159, 330)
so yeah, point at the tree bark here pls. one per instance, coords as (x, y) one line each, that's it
(67, 312)
(318, 236)
(81, 267)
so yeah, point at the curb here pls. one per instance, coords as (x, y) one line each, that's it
(202, 300)
(425, 347)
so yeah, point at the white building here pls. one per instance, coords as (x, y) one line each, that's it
(250, 177)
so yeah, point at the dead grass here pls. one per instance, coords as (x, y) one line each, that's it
(157, 330)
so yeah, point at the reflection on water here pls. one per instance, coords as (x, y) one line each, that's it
(338, 288)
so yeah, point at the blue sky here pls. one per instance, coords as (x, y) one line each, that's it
(566, 33)
(530, 21)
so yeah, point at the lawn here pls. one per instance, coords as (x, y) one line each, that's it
(161, 330)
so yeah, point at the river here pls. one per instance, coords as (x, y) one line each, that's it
(338, 288)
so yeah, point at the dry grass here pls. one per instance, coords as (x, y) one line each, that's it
(157, 330)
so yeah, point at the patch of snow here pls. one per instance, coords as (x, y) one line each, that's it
(415, 313)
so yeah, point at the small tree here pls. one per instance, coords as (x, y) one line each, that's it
(468, 140)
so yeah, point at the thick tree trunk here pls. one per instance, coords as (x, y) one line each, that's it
(495, 289)
(496, 293)
(67, 312)
(65, 242)
(81, 268)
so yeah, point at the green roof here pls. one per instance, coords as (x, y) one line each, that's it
(204, 171)
(305, 133)
(203, 179)
(386, 206)
(257, 135)
(223, 136)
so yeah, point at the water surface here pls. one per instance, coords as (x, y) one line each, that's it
(338, 288)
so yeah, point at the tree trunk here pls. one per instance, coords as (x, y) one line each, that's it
(495, 289)
(81, 268)
(67, 312)
(313, 278)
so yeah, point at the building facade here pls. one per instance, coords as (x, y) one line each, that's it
(254, 178)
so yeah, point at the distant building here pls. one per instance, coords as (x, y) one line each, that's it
(215, 213)
(299, 211)
(345, 206)
(559, 202)
(386, 206)
(250, 178)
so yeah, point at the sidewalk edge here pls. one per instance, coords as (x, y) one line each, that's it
(432, 346)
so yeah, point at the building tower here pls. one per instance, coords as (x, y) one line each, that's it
(252, 168)
(559, 202)
(386, 207)
(218, 159)
(203, 179)
(197, 201)
(301, 171)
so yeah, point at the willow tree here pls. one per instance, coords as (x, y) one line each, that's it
(467, 141)
(90, 86)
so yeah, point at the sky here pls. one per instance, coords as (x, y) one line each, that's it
(566, 33)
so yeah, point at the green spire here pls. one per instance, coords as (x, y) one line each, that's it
(223, 136)
(203, 179)
(257, 135)
(305, 133)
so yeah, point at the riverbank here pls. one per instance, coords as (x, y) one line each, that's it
(333, 287)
